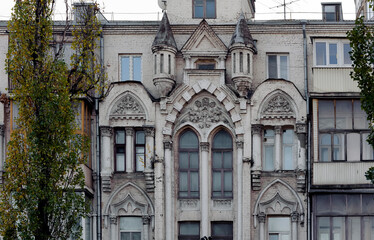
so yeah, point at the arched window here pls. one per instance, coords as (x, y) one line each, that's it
(188, 165)
(222, 165)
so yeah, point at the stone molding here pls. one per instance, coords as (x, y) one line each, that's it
(204, 146)
(129, 131)
(127, 107)
(106, 131)
(149, 131)
(277, 107)
(168, 144)
(239, 144)
(257, 128)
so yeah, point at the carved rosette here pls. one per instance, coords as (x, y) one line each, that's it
(205, 113)
(128, 107)
(278, 107)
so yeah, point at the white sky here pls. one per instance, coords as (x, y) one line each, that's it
(149, 10)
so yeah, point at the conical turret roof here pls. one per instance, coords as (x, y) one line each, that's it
(242, 33)
(164, 36)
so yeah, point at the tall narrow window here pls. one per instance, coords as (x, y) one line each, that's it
(131, 68)
(288, 144)
(120, 147)
(131, 228)
(155, 65)
(268, 149)
(222, 165)
(234, 63)
(278, 66)
(139, 151)
(241, 62)
(161, 63)
(248, 63)
(169, 64)
(204, 8)
(188, 165)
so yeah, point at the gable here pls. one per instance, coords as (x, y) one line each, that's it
(204, 41)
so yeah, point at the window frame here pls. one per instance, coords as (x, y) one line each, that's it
(222, 170)
(221, 237)
(337, 12)
(334, 131)
(188, 237)
(139, 145)
(339, 53)
(278, 62)
(264, 144)
(279, 233)
(293, 150)
(204, 10)
(131, 67)
(119, 145)
(130, 231)
(188, 170)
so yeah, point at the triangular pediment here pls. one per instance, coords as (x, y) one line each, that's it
(127, 107)
(204, 41)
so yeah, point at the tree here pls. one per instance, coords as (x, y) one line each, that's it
(362, 55)
(39, 197)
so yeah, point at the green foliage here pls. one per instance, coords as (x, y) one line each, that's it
(39, 198)
(362, 55)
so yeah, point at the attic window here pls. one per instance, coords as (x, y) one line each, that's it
(204, 8)
(332, 12)
(206, 64)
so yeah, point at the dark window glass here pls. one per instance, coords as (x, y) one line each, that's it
(139, 151)
(222, 230)
(204, 8)
(189, 231)
(120, 150)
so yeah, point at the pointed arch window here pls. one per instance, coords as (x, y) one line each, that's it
(188, 165)
(222, 165)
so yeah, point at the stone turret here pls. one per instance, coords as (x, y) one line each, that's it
(242, 48)
(164, 49)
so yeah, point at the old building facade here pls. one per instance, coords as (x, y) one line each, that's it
(215, 125)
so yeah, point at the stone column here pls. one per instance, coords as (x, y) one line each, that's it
(159, 221)
(168, 188)
(301, 136)
(113, 228)
(106, 160)
(239, 152)
(149, 146)
(278, 148)
(204, 190)
(262, 220)
(256, 136)
(294, 220)
(129, 150)
(146, 220)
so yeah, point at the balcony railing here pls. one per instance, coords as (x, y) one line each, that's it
(338, 79)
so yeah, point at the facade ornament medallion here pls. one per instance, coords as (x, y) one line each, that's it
(106, 131)
(205, 113)
(278, 107)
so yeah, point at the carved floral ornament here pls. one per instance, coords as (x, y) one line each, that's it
(277, 107)
(205, 113)
(128, 107)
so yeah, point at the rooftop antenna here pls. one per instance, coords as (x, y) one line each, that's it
(284, 4)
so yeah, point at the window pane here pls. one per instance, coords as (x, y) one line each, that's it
(198, 8)
(333, 49)
(274, 237)
(120, 137)
(367, 149)
(325, 147)
(338, 230)
(353, 147)
(346, 50)
(343, 114)
(136, 236)
(354, 228)
(338, 203)
(131, 224)
(272, 66)
(283, 67)
(227, 159)
(227, 181)
(120, 161)
(354, 204)
(183, 182)
(183, 160)
(188, 140)
(323, 228)
(339, 147)
(325, 114)
(360, 117)
(287, 158)
(194, 160)
(125, 68)
(189, 228)
(269, 156)
(140, 159)
(321, 53)
(194, 178)
(137, 68)
(217, 159)
(368, 230)
(367, 204)
(217, 182)
(140, 137)
(222, 229)
(222, 140)
(288, 136)
(279, 224)
(210, 9)
(125, 236)
(323, 203)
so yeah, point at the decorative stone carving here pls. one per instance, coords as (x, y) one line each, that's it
(248, 160)
(277, 203)
(164, 84)
(106, 183)
(242, 84)
(261, 217)
(189, 204)
(113, 219)
(223, 204)
(239, 144)
(158, 159)
(205, 112)
(257, 128)
(168, 144)
(300, 127)
(149, 131)
(149, 180)
(146, 220)
(278, 107)
(278, 129)
(129, 131)
(295, 216)
(301, 181)
(256, 180)
(204, 146)
(128, 107)
(106, 131)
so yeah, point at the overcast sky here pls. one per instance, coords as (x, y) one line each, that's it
(149, 10)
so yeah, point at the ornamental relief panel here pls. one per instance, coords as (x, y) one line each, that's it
(277, 107)
(205, 113)
(128, 107)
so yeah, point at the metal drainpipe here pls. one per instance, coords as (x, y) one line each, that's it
(309, 130)
(98, 165)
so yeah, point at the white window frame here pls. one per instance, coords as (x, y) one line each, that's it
(131, 67)
(129, 230)
(339, 52)
(278, 55)
(280, 233)
(293, 147)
